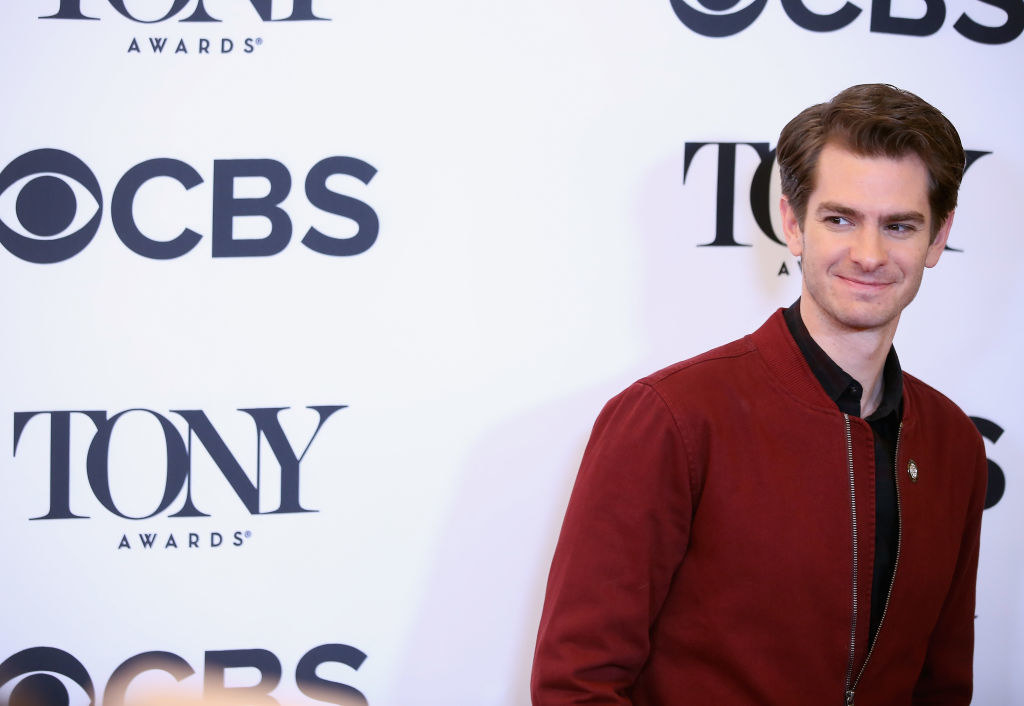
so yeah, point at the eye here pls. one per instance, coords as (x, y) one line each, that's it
(50, 206)
(46, 206)
(718, 18)
(837, 220)
(901, 228)
(45, 689)
(45, 676)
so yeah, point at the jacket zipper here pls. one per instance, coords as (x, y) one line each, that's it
(899, 541)
(853, 514)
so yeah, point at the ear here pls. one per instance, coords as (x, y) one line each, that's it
(791, 228)
(939, 244)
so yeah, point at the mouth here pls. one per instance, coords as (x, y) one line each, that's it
(867, 285)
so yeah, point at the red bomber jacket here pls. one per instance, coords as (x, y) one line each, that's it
(718, 545)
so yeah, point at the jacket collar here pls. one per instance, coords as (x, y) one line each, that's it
(839, 384)
(788, 366)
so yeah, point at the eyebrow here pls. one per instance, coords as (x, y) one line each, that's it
(904, 216)
(908, 216)
(832, 207)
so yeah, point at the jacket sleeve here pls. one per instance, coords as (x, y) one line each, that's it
(624, 534)
(947, 675)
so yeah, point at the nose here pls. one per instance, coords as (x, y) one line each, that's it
(867, 249)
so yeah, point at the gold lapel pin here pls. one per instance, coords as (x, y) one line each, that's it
(912, 470)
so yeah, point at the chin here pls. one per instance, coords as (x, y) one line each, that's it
(864, 319)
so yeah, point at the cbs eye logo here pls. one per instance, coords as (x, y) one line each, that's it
(50, 206)
(49, 677)
(717, 19)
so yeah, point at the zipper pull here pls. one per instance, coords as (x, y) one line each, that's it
(849, 698)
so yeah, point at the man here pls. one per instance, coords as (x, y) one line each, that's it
(789, 519)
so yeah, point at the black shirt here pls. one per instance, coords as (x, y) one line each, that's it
(885, 424)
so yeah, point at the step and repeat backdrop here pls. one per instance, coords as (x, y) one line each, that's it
(309, 306)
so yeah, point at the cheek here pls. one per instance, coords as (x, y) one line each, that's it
(818, 256)
(913, 260)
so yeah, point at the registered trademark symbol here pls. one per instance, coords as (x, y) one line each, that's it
(259, 41)
(248, 533)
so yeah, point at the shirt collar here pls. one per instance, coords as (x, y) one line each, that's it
(839, 385)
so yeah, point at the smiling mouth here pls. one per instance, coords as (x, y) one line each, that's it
(866, 284)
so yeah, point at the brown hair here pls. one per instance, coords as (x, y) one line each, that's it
(873, 120)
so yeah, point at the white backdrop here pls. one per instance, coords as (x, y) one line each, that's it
(538, 249)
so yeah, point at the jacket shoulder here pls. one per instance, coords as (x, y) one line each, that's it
(717, 361)
(929, 403)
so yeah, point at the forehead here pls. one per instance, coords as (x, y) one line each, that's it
(870, 183)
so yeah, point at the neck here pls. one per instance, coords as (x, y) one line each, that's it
(861, 353)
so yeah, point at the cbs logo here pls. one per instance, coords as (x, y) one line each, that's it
(723, 18)
(51, 205)
(49, 676)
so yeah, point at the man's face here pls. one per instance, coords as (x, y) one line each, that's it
(865, 240)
